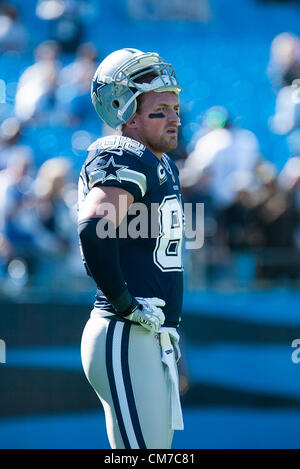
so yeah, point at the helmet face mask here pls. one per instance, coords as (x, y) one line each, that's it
(118, 81)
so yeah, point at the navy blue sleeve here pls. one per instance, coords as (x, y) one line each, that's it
(102, 260)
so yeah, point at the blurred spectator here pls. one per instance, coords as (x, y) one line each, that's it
(74, 83)
(15, 183)
(29, 224)
(284, 62)
(10, 133)
(64, 20)
(284, 73)
(262, 221)
(35, 97)
(287, 109)
(289, 181)
(222, 155)
(277, 219)
(50, 9)
(289, 178)
(237, 221)
(52, 212)
(194, 10)
(13, 34)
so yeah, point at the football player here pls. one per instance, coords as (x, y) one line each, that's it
(129, 345)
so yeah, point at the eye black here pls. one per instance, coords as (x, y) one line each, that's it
(156, 115)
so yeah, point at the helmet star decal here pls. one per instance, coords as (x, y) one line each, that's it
(96, 86)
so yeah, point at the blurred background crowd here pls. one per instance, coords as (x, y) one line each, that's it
(239, 149)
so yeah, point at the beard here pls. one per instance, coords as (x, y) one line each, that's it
(165, 144)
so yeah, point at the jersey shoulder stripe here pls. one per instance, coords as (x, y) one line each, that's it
(113, 172)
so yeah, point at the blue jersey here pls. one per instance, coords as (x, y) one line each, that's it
(151, 235)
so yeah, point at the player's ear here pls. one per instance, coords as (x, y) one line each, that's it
(132, 123)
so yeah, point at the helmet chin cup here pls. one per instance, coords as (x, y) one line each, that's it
(114, 90)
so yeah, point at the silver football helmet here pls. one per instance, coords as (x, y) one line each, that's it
(114, 88)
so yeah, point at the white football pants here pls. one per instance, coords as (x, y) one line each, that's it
(122, 362)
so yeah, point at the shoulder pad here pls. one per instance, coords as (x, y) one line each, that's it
(117, 144)
(115, 162)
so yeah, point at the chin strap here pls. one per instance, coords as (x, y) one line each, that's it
(126, 106)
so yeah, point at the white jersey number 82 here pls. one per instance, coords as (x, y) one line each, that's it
(167, 252)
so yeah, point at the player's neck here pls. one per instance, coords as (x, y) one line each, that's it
(138, 138)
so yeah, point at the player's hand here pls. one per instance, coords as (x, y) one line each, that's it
(148, 313)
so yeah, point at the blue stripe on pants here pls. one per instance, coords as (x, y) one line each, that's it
(128, 387)
(112, 383)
